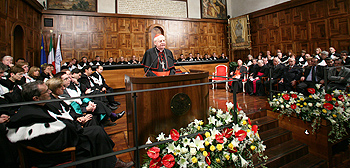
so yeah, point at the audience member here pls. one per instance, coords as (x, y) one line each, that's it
(134, 60)
(318, 53)
(249, 60)
(300, 60)
(214, 57)
(332, 54)
(313, 74)
(276, 73)
(329, 62)
(338, 76)
(190, 57)
(97, 61)
(84, 62)
(198, 57)
(240, 73)
(46, 72)
(70, 65)
(122, 61)
(291, 74)
(345, 58)
(222, 56)
(20, 60)
(110, 61)
(33, 74)
(207, 58)
(182, 58)
(322, 60)
(255, 85)
(25, 78)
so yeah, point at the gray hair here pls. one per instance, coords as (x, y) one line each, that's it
(155, 39)
(7, 56)
(325, 52)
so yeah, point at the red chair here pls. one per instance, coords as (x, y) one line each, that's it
(220, 70)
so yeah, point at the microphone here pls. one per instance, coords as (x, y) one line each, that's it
(150, 66)
(177, 62)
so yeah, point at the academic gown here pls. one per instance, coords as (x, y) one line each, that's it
(49, 129)
(151, 63)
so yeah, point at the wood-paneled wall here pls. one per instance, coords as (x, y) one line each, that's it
(298, 25)
(26, 14)
(108, 35)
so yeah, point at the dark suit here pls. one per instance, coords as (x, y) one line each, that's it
(276, 74)
(289, 74)
(335, 80)
(315, 78)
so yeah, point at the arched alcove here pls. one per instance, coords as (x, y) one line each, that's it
(18, 42)
(152, 31)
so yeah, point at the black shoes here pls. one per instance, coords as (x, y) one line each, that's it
(109, 123)
(115, 103)
(118, 115)
(112, 107)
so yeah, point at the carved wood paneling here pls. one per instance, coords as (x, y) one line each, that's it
(323, 44)
(3, 8)
(339, 27)
(111, 40)
(12, 8)
(67, 40)
(139, 40)
(203, 28)
(96, 24)
(302, 46)
(286, 33)
(111, 24)
(317, 10)
(300, 14)
(212, 28)
(274, 36)
(30, 38)
(285, 17)
(194, 28)
(212, 41)
(341, 44)
(81, 23)
(337, 7)
(21, 11)
(138, 25)
(272, 20)
(3, 31)
(263, 36)
(124, 40)
(29, 14)
(81, 41)
(124, 25)
(300, 32)
(96, 41)
(318, 29)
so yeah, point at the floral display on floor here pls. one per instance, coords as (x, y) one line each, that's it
(319, 105)
(236, 145)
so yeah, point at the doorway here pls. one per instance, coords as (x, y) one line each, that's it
(18, 43)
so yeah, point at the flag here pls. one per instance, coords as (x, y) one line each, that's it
(42, 54)
(58, 57)
(51, 57)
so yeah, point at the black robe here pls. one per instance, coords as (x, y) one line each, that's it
(151, 63)
(48, 129)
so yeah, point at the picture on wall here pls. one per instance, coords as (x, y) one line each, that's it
(214, 9)
(75, 5)
(240, 32)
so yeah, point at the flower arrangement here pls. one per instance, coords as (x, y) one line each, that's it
(319, 105)
(213, 146)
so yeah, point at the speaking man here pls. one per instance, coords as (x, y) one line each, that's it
(158, 61)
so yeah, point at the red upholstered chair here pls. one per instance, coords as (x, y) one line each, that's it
(220, 70)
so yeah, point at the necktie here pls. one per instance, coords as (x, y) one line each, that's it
(313, 75)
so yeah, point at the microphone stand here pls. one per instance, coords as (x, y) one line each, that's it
(177, 62)
(150, 66)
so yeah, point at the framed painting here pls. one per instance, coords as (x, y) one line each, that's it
(214, 9)
(240, 32)
(74, 5)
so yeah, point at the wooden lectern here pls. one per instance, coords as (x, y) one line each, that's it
(161, 111)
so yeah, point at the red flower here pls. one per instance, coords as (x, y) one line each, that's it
(155, 163)
(328, 106)
(207, 159)
(255, 129)
(311, 90)
(240, 135)
(220, 138)
(200, 136)
(238, 108)
(227, 132)
(286, 97)
(174, 135)
(250, 123)
(234, 150)
(336, 104)
(294, 96)
(153, 152)
(328, 97)
(341, 98)
(293, 106)
(168, 160)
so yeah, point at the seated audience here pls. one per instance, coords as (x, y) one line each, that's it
(55, 127)
(249, 60)
(338, 76)
(329, 62)
(222, 56)
(307, 57)
(84, 62)
(18, 60)
(300, 60)
(122, 61)
(97, 61)
(318, 53)
(25, 78)
(206, 57)
(291, 74)
(134, 60)
(70, 65)
(110, 61)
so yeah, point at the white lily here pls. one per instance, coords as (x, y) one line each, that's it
(161, 137)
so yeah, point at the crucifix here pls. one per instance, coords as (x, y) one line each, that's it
(162, 64)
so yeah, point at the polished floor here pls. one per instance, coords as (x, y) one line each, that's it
(218, 99)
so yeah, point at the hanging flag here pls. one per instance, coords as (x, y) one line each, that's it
(42, 52)
(58, 57)
(51, 57)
